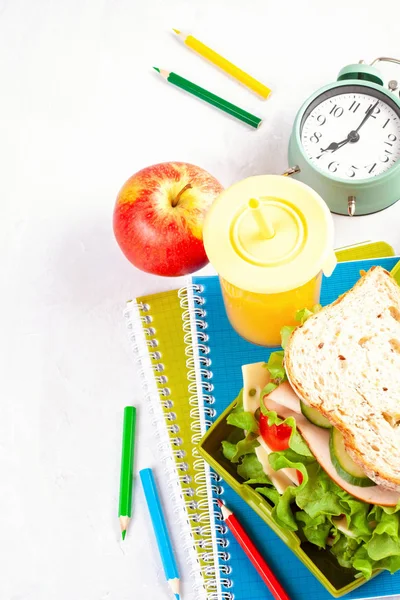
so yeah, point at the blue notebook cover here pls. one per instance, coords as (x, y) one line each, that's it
(228, 352)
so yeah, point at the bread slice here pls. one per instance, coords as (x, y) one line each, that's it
(345, 361)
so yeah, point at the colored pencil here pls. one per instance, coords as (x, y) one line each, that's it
(160, 529)
(253, 554)
(225, 65)
(211, 98)
(126, 478)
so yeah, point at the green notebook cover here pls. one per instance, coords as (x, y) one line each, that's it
(156, 325)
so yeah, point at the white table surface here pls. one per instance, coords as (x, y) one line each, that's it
(82, 110)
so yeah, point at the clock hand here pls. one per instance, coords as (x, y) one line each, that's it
(342, 143)
(367, 115)
(333, 146)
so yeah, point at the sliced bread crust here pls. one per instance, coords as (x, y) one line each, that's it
(345, 361)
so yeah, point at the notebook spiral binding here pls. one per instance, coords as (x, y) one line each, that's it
(201, 388)
(189, 501)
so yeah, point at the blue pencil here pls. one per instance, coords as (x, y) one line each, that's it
(160, 530)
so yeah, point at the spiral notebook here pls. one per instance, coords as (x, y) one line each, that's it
(218, 385)
(160, 332)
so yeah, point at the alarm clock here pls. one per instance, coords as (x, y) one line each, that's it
(346, 141)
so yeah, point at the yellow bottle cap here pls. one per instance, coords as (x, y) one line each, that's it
(269, 234)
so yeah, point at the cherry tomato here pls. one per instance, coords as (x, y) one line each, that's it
(300, 477)
(275, 436)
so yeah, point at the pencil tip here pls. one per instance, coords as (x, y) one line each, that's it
(177, 596)
(219, 502)
(123, 534)
(176, 31)
(156, 69)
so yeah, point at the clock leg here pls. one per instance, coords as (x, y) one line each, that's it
(351, 205)
(291, 171)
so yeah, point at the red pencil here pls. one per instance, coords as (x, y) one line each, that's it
(253, 554)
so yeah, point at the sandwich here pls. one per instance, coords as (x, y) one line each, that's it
(317, 428)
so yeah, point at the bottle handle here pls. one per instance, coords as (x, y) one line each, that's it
(329, 264)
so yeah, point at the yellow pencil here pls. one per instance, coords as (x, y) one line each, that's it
(224, 64)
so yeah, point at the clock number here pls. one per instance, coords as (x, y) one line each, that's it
(321, 120)
(351, 172)
(354, 106)
(375, 112)
(392, 138)
(315, 137)
(388, 121)
(333, 166)
(336, 111)
(372, 167)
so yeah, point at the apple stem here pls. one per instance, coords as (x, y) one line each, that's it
(176, 200)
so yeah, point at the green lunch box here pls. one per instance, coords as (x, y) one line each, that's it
(322, 564)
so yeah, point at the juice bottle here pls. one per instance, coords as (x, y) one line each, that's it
(269, 238)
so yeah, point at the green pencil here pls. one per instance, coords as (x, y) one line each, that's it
(211, 98)
(127, 457)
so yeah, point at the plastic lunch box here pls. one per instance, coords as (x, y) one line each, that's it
(322, 564)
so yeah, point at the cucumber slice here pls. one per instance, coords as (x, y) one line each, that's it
(314, 416)
(344, 465)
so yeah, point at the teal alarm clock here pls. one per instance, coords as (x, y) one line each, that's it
(346, 141)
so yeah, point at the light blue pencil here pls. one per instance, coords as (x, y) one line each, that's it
(160, 530)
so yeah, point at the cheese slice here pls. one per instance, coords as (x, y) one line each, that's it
(341, 524)
(290, 473)
(255, 378)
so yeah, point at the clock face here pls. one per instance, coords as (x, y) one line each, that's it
(352, 132)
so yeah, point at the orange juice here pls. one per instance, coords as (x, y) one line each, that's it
(248, 312)
(270, 238)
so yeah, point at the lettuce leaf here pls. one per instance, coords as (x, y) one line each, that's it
(276, 367)
(316, 530)
(301, 316)
(384, 541)
(363, 563)
(286, 332)
(270, 387)
(304, 314)
(269, 492)
(344, 548)
(243, 420)
(228, 450)
(234, 452)
(251, 470)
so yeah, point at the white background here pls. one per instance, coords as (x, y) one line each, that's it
(81, 111)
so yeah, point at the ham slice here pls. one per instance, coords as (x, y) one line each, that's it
(285, 396)
(318, 442)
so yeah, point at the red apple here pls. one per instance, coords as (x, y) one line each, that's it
(159, 216)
